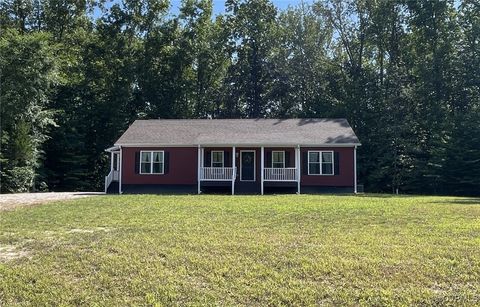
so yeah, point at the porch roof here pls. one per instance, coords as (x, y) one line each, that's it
(113, 149)
(238, 132)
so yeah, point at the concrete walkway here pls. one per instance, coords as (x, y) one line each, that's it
(11, 201)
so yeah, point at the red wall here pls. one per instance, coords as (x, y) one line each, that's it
(182, 166)
(346, 169)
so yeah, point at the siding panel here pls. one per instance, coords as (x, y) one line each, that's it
(345, 169)
(182, 166)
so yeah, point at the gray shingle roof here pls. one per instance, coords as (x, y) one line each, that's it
(178, 132)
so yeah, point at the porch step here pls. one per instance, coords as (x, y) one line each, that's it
(113, 188)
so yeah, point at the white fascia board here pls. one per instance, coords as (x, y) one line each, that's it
(241, 145)
(112, 149)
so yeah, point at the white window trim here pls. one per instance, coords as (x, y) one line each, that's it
(321, 162)
(223, 158)
(151, 162)
(283, 157)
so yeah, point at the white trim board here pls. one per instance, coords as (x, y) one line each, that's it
(239, 145)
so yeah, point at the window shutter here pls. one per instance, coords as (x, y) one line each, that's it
(137, 162)
(226, 159)
(207, 158)
(268, 158)
(336, 159)
(166, 162)
(287, 158)
(305, 163)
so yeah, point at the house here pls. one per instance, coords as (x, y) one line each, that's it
(236, 155)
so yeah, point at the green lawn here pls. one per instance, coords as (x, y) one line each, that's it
(223, 250)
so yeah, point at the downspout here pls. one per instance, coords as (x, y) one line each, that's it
(262, 167)
(199, 169)
(298, 166)
(234, 170)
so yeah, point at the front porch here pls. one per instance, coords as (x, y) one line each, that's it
(113, 177)
(248, 169)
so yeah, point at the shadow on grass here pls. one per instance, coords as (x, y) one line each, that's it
(89, 193)
(459, 201)
(373, 195)
(446, 200)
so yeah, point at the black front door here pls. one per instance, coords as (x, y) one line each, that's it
(247, 172)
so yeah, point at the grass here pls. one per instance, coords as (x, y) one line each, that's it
(242, 250)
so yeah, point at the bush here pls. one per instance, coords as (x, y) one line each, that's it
(19, 179)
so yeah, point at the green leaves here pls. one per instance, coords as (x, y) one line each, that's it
(28, 76)
(252, 37)
(404, 73)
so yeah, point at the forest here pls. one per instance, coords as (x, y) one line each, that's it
(74, 74)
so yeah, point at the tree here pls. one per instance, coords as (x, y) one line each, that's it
(28, 74)
(404, 73)
(301, 66)
(462, 162)
(252, 25)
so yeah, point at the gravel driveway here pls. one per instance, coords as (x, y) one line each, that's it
(11, 201)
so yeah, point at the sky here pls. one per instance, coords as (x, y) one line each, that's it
(219, 5)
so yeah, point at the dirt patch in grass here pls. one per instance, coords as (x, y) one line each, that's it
(88, 230)
(11, 252)
(12, 201)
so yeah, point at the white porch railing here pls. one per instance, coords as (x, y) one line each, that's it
(108, 180)
(112, 176)
(217, 173)
(116, 175)
(280, 174)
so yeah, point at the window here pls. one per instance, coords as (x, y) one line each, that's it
(145, 163)
(157, 162)
(320, 162)
(327, 163)
(278, 159)
(217, 159)
(151, 162)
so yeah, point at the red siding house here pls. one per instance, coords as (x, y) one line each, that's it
(234, 155)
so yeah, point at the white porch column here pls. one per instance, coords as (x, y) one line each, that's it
(233, 170)
(262, 172)
(298, 166)
(355, 170)
(199, 168)
(111, 161)
(121, 171)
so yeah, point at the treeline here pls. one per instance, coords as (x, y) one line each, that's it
(405, 73)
